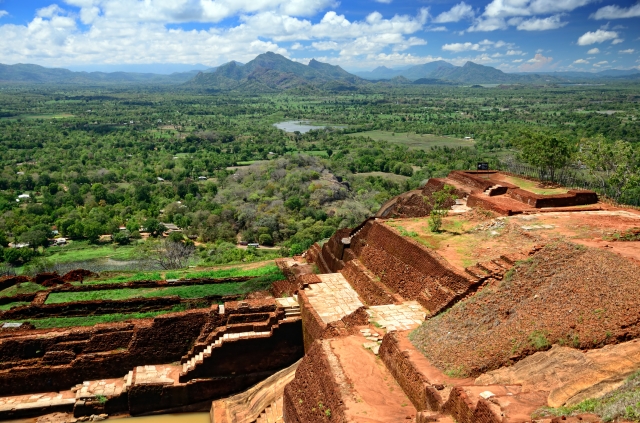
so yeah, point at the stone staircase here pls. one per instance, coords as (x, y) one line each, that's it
(272, 414)
(200, 358)
(291, 306)
(489, 191)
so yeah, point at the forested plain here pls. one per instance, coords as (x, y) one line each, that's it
(91, 161)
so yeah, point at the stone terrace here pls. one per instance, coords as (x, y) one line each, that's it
(333, 298)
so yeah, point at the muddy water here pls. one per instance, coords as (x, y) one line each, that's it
(169, 418)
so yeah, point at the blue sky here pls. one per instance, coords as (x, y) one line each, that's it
(512, 35)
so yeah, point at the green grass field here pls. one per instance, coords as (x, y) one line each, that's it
(532, 186)
(9, 306)
(83, 251)
(415, 141)
(22, 288)
(63, 322)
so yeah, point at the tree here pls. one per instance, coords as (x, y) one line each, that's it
(92, 230)
(613, 164)
(154, 227)
(546, 152)
(265, 239)
(4, 242)
(169, 255)
(38, 236)
(440, 207)
(122, 237)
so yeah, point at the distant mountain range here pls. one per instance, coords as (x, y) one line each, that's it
(37, 74)
(270, 72)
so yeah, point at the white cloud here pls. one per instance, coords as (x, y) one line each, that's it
(458, 47)
(617, 12)
(59, 40)
(457, 13)
(544, 24)
(325, 45)
(436, 28)
(500, 14)
(176, 11)
(581, 62)
(599, 64)
(479, 46)
(384, 1)
(617, 41)
(514, 53)
(627, 51)
(3, 13)
(537, 62)
(518, 61)
(594, 50)
(598, 36)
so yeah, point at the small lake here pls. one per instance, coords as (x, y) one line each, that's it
(302, 126)
(170, 418)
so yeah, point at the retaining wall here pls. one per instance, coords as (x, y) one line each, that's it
(409, 269)
(315, 382)
(408, 375)
(369, 288)
(571, 198)
(52, 360)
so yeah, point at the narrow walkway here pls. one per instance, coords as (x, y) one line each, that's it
(406, 316)
(333, 298)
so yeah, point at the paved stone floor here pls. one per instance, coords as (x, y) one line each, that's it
(405, 316)
(333, 298)
(105, 387)
(160, 374)
(287, 302)
(21, 402)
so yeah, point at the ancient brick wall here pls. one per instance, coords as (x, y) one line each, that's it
(472, 179)
(477, 201)
(111, 350)
(194, 395)
(312, 325)
(571, 198)
(370, 290)
(315, 383)
(257, 354)
(463, 409)
(410, 379)
(409, 269)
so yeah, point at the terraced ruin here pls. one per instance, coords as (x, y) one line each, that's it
(524, 308)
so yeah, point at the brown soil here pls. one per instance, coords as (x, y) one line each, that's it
(565, 294)
(376, 395)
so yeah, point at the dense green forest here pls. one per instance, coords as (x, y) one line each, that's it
(88, 162)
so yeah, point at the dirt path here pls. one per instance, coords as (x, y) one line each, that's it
(376, 395)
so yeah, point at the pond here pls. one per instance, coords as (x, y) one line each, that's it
(170, 418)
(302, 126)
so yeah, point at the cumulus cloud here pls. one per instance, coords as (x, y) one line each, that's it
(458, 47)
(3, 13)
(537, 62)
(617, 12)
(457, 13)
(500, 14)
(594, 50)
(617, 41)
(581, 62)
(55, 38)
(518, 61)
(514, 53)
(598, 36)
(383, 1)
(602, 63)
(544, 24)
(627, 51)
(177, 11)
(479, 46)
